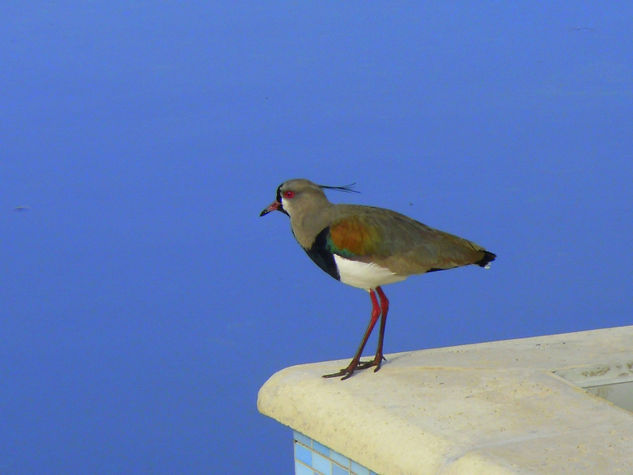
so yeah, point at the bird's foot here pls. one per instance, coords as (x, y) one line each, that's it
(354, 365)
(345, 372)
(377, 361)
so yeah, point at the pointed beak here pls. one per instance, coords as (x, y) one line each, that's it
(274, 206)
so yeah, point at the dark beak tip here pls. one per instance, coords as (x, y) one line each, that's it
(274, 206)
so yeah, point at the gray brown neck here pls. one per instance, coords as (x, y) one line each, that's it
(307, 224)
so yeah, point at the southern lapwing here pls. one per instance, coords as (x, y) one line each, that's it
(368, 247)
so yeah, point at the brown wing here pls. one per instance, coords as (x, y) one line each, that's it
(398, 242)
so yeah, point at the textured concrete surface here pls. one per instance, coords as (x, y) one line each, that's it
(511, 406)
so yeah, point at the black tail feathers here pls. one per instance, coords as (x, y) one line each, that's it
(488, 258)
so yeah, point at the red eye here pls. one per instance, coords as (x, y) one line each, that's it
(289, 194)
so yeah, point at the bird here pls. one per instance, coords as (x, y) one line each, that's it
(368, 247)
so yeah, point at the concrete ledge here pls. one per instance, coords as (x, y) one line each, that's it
(490, 408)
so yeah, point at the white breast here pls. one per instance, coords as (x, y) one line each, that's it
(364, 275)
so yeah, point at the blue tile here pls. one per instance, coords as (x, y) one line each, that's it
(305, 440)
(338, 470)
(304, 454)
(321, 448)
(338, 458)
(321, 464)
(301, 469)
(358, 469)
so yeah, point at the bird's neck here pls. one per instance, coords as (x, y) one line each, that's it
(307, 224)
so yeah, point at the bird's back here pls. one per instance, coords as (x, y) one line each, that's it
(393, 240)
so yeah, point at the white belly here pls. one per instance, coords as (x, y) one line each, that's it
(363, 275)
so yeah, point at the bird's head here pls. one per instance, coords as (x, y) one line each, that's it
(300, 195)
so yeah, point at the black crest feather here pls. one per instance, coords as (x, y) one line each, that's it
(346, 188)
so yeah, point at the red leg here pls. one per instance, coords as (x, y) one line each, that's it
(384, 307)
(375, 313)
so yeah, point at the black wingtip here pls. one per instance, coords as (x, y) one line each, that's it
(487, 259)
